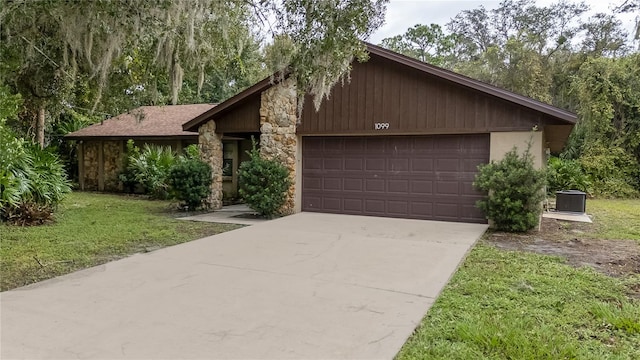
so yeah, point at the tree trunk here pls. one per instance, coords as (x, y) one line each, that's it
(40, 127)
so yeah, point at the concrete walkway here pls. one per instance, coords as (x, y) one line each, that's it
(313, 286)
(231, 214)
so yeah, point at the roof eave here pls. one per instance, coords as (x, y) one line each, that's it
(193, 124)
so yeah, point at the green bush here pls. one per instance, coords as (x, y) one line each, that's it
(515, 191)
(32, 180)
(564, 174)
(148, 168)
(190, 180)
(263, 183)
(611, 171)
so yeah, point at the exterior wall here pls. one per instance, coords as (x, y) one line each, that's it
(242, 119)
(404, 101)
(503, 142)
(113, 151)
(90, 164)
(210, 144)
(278, 140)
(101, 165)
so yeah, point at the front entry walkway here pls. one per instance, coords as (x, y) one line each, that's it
(239, 214)
(305, 286)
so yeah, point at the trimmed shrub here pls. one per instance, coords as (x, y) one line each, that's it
(190, 180)
(515, 191)
(263, 183)
(563, 174)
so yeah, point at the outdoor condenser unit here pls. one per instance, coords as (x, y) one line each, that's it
(571, 201)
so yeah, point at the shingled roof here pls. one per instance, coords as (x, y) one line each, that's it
(145, 121)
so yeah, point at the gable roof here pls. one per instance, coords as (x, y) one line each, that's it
(564, 116)
(145, 121)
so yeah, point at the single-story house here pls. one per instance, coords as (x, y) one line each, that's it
(402, 138)
(101, 147)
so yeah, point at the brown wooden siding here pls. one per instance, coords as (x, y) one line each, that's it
(412, 102)
(243, 118)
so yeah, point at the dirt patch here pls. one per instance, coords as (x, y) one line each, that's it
(566, 239)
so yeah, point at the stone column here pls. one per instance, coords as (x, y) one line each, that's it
(210, 144)
(278, 118)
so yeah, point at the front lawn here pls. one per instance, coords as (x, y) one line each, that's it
(615, 219)
(92, 229)
(513, 303)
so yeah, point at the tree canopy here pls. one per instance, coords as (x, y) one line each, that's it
(106, 56)
(555, 54)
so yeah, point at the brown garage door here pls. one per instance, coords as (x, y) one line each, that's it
(418, 177)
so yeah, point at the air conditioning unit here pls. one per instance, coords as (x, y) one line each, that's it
(571, 201)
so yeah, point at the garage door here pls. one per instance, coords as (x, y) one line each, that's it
(417, 177)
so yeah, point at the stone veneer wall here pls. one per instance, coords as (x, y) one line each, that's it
(112, 157)
(278, 118)
(210, 145)
(91, 149)
(112, 152)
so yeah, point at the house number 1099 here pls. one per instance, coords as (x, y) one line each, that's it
(381, 126)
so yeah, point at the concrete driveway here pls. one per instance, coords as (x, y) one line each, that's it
(305, 286)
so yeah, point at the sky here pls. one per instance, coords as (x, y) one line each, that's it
(402, 14)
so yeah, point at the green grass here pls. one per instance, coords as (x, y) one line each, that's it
(615, 219)
(92, 229)
(515, 305)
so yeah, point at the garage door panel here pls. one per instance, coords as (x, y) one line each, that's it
(332, 184)
(353, 185)
(422, 144)
(331, 164)
(421, 165)
(470, 212)
(311, 183)
(314, 144)
(375, 206)
(421, 187)
(466, 188)
(375, 164)
(447, 188)
(448, 164)
(422, 209)
(333, 145)
(398, 186)
(471, 165)
(374, 185)
(354, 146)
(399, 208)
(398, 165)
(420, 177)
(332, 204)
(374, 144)
(312, 163)
(446, 211)
(351, 164)
(353, 206)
